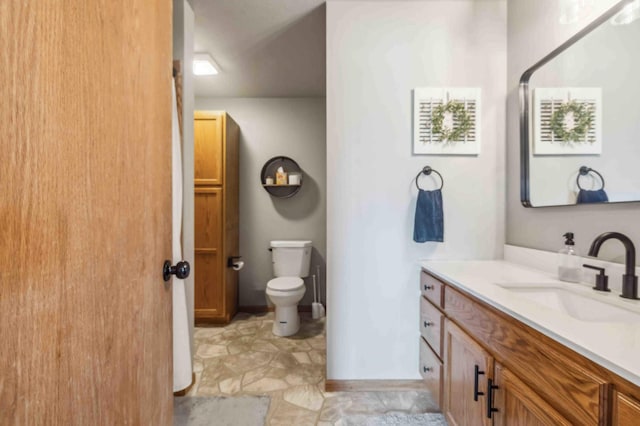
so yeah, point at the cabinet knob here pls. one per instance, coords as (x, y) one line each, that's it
(428, 287)
(427, 369)
(428, 324)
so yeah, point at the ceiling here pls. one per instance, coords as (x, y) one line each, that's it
(265, 48)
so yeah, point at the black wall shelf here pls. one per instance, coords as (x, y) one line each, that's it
(269, 170)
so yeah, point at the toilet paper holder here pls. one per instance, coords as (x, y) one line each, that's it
(232, 260)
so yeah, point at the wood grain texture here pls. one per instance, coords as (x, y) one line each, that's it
(208, 218)
(431, 326)
(231, 209)
(207, 274)
(575, 390)
(519, 405)
(626, 410)
(372, 385)
(216, 225)
(208, 148)
(432, 289)
(85, 212)
(462, 354)
(431, 370)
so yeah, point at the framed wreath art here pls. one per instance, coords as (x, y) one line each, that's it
(451, 121)
(446, 121)
(567, 121)
(571, 122)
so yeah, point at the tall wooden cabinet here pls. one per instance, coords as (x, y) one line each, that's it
(216, 187)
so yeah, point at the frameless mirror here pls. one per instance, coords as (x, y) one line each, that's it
(580, 116)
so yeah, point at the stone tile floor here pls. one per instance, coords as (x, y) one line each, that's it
(245, 358)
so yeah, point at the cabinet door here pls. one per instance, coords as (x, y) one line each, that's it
(626, 411)
(519, 405)
(467, 367)
(208, 279)
(208, 148)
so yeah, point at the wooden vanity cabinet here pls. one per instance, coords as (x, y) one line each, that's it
(535, 380)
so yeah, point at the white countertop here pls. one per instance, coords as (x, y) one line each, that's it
(615, 346)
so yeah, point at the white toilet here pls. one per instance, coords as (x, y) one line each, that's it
(291, 261)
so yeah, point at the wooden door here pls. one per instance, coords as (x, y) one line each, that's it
(462, 356)
(519, 405)
(85, 212)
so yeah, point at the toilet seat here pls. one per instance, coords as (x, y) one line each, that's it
(285, 284)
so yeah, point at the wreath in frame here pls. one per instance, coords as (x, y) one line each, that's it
(582, 121)
(460, 116)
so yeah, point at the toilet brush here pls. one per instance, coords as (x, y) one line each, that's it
(321, 307)
(315, 309)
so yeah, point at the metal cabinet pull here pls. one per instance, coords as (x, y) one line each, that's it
(428, 287)
(428, 324)
(490, 388)
(476, 375)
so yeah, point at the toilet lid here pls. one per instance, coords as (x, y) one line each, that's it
(285, 283)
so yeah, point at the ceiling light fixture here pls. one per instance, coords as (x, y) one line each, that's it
(630, 13)
(203, 64)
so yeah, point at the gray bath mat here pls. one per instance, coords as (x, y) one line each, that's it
(394, 419)
(219, 411)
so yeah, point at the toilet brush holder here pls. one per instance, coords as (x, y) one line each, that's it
(316, 308)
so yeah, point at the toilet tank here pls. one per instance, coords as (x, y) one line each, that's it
(291, 258)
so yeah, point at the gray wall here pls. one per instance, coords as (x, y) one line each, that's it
(377, 53)
(296, 128)
(183, 27)
(533, 31)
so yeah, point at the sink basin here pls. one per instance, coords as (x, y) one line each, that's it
(580, 307)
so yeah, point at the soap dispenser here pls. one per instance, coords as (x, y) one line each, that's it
(569, 264)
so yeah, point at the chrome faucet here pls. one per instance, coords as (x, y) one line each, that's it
(629, 279)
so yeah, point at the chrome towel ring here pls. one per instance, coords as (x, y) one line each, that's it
(584, 170)
(426, 170)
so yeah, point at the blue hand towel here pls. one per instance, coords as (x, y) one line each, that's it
(429, 222)
(585, 196)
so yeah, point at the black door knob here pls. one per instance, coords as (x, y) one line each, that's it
(180, 270)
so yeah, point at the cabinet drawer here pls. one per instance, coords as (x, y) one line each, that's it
(431, 371)
(432, 289)
(431, 321)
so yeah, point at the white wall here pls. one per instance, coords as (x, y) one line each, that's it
(183, 27)
(377, 53)
(296, 128)
(534, 31)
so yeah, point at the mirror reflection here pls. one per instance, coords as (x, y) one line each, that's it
(581, 142)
